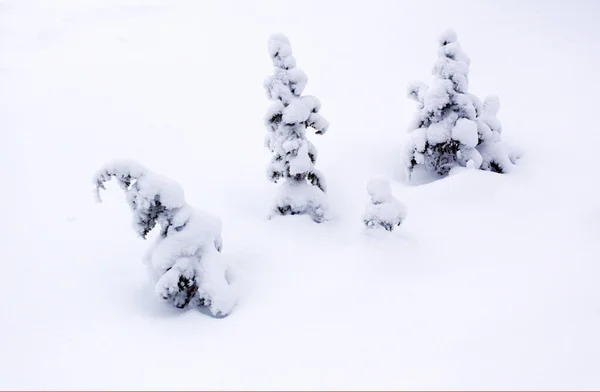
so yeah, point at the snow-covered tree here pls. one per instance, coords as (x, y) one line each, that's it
(383, 210)
(287, 120)
(495, 155)
(452, 127)
(184, 260)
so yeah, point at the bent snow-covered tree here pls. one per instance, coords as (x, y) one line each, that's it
(383, 210)
(287, 120)
(452, 127)
(184, 260)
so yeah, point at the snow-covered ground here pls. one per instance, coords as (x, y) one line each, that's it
(491, 282)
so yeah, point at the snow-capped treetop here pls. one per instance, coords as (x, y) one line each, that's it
(280, 50)
(491, 106)
(383, 210)
(379, 189)
(488, 125)
(124, 171)
(447, 37)
(447, 98)
(152, 197)
(285, 88)
(452, 63)
(288, 81)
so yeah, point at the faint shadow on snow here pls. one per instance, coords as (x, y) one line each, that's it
(420, 176)
(379, 236)
(151, 305)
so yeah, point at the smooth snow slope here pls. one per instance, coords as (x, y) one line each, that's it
(492, 282)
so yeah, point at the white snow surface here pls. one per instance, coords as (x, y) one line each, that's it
(491, 282)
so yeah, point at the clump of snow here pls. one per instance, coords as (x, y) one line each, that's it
(438, 133)
(465, 132)
(183, 260)
(417, 91)
(447, 37)
(287, 119)
(496, 156)
(489, 113)
(452, 127)
(379, 189)
(298, 198)
(383, 210)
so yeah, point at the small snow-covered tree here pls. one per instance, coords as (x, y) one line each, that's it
(287, 120)
(383, 210)
(452, 127)
(184, 260)
(494, 154)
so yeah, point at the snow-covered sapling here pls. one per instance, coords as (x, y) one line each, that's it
(452, 127)
(383, 210)
(184, 260)
(495, 156)
(294, 157)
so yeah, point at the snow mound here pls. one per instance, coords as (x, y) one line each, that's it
(383, 210)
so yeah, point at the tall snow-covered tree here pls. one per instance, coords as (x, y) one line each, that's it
(383, 209)
(287, 119)
(184, 260)
(452, 127)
